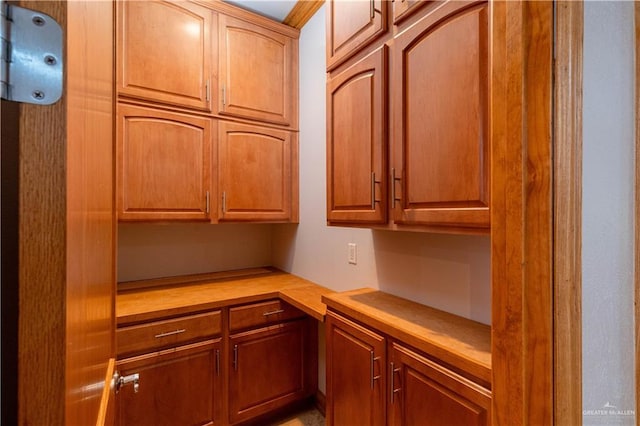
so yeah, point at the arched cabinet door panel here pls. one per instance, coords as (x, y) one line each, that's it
(440, 118)
(164, 52)
(257, 70)
(351, 25)
(164, 162)
(356, 142)
(255, 173)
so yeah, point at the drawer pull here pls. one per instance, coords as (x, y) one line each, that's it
(170, 333)
(277, 311)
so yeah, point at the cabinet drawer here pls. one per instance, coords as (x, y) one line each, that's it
(167, 333)
(260, 314)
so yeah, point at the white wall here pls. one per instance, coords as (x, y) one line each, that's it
(151, 251)
(607, 252)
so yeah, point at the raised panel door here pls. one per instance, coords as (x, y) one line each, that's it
(356, 380)
(179, 386)
(163, 164)
(267, 370)
(440, 120)
(356, 142)
(351, 25)
(164, 52)
(255, 173)
(257, 75)
(424, 393)
(402, 9)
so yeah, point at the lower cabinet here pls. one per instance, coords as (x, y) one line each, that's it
(192, 370)
(267, 369)
(355, 374)
(180, 386)
(374, 380)
(422, 392)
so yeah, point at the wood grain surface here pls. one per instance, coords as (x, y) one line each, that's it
(457, 341)
(67, 228)
(568, 214)
(521, 218)
(302, 12)
(149, 303)
(90, 218)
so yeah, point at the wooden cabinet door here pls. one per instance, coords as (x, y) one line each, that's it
(267, 370)
(424, 393)
(176, 387)
(356, 380)
(255, 173)
(440, 118)
(356, 142)
(163, 164)
(402, 9)
(257, 72)
(351, 25)
(164, 52)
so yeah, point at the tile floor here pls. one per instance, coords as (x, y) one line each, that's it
(308, 417)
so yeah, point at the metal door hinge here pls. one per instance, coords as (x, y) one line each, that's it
(31, 65)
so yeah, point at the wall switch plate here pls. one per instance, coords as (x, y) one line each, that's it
(352, 255)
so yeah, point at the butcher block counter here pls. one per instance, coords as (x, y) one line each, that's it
(139, 301)
(456, 341)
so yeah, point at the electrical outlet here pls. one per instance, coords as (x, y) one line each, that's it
(352, 255)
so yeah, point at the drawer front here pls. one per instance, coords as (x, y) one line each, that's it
(260, 314)
(166, 333)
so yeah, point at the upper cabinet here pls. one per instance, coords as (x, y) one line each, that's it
(436, 90)
(184, 70)
(164, 52)
(356, 142)
(402, 9)
(440, 122)
(258, 72)
(163, 162)
(255, 173)
(351, 25)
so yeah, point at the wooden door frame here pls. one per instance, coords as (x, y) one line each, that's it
(66, 230)
(567, 188)
(536, 212)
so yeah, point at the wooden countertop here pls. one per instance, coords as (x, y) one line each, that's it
(457, 341)
(166, 297)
